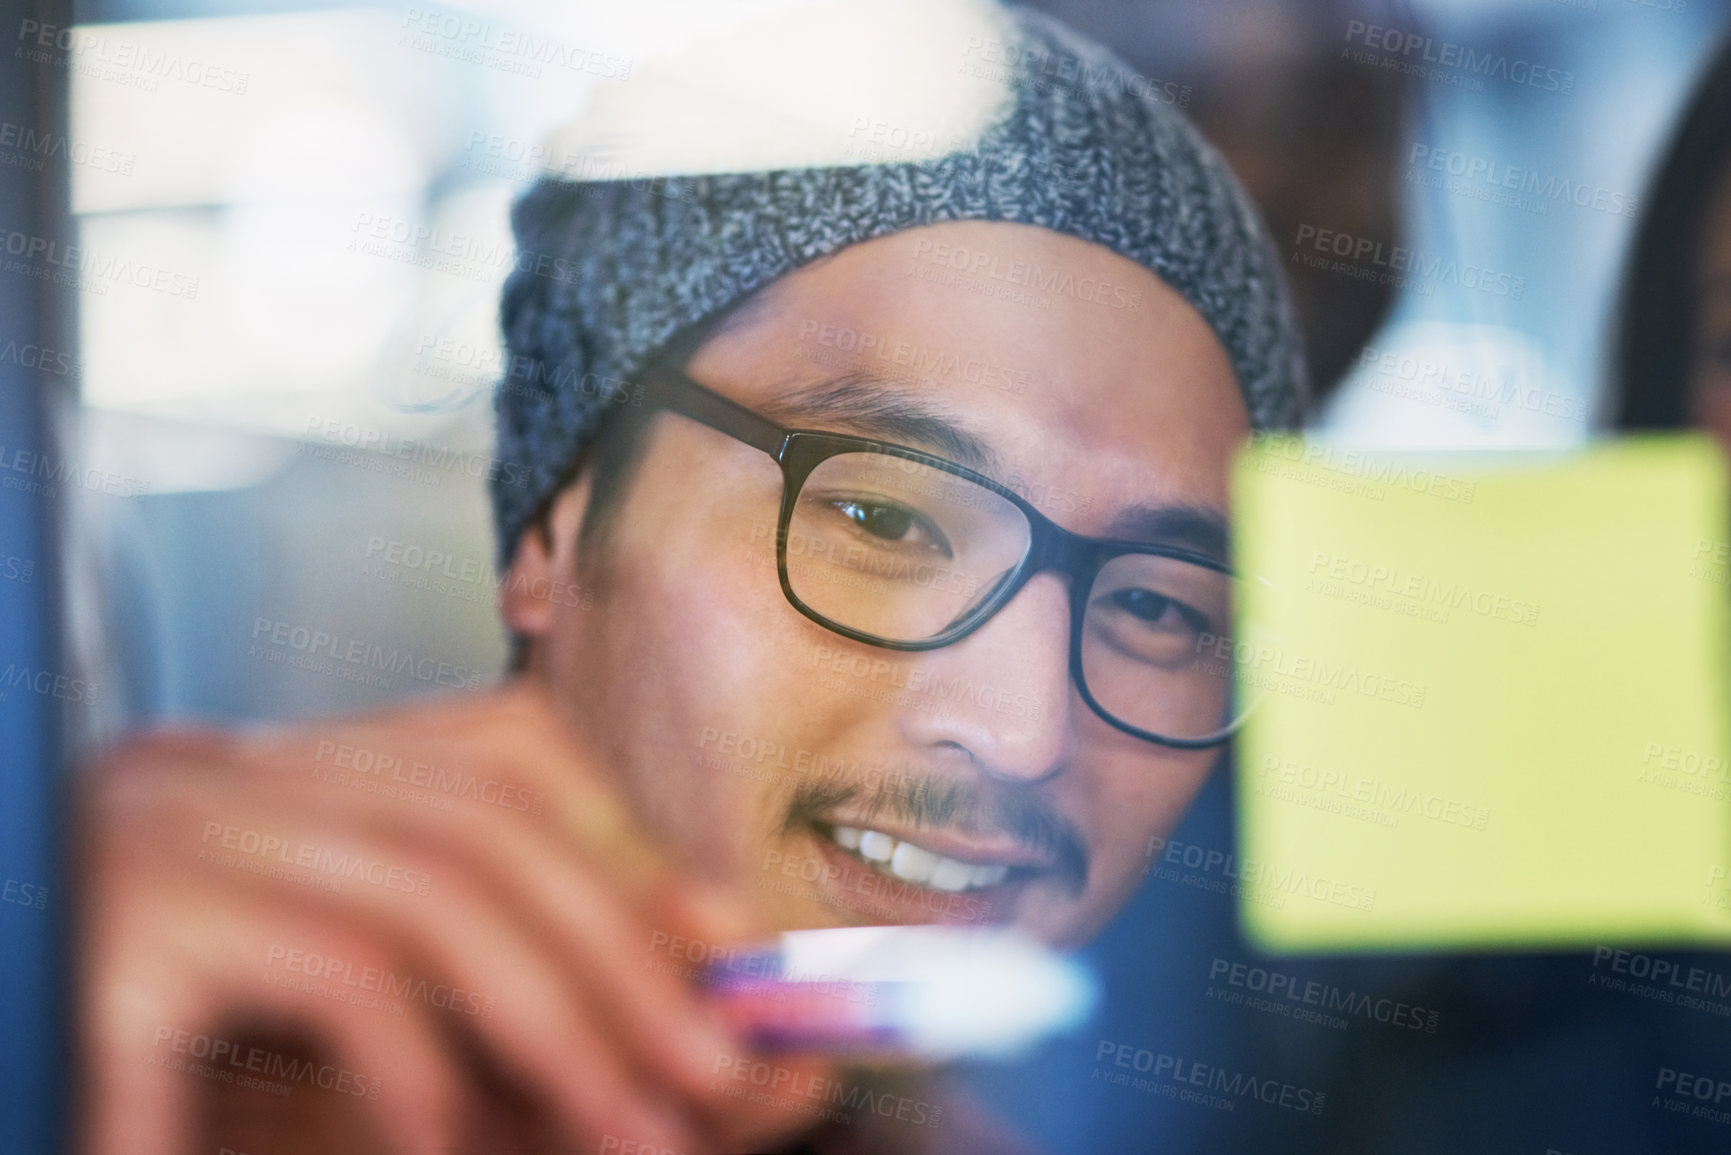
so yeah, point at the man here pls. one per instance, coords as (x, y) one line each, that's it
(895, 563)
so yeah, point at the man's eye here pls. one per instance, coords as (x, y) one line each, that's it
(892, 524)
(889, 522)
(1153, 608)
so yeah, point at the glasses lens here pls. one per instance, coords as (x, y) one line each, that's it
(1150, 636)
(898, 549)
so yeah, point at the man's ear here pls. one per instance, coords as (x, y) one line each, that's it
(545, 561)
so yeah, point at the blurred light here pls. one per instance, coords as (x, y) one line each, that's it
(1436, 385)
(288, 200)
(845, 82)
(213, 104)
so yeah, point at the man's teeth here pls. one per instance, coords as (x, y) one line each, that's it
(916, 863)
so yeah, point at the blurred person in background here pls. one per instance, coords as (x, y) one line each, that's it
(1673, 362)
(862, 431)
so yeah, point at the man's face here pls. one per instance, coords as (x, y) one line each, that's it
(745, 734)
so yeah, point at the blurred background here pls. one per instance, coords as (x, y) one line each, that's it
(266, 391)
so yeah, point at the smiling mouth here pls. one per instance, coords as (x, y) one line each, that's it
(905, 860)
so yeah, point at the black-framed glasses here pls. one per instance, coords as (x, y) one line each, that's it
(901, 549)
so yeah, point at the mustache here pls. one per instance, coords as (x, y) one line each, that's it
(926, 802)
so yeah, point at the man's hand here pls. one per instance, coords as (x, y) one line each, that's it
(228, 879)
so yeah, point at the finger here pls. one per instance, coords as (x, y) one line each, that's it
(541, 1030)
(546, 884)
(513, 734)
(656, 1053)
(570, 899)
(605, 947)
(196, 981)
(766, 1100)
(129, 1103)
(405, 1067)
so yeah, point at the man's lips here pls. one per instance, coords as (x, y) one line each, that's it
(937, 859)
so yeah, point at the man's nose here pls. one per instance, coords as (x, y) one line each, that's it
(1002, 694)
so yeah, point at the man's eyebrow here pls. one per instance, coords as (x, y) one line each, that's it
(1194, 527)
(870, 407)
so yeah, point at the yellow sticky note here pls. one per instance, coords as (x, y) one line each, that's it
(1490, 697)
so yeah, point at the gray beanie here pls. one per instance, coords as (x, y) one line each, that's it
(1085, 147)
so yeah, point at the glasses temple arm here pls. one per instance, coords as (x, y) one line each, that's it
(674, 391)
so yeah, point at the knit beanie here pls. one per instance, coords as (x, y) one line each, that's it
(611, 266)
